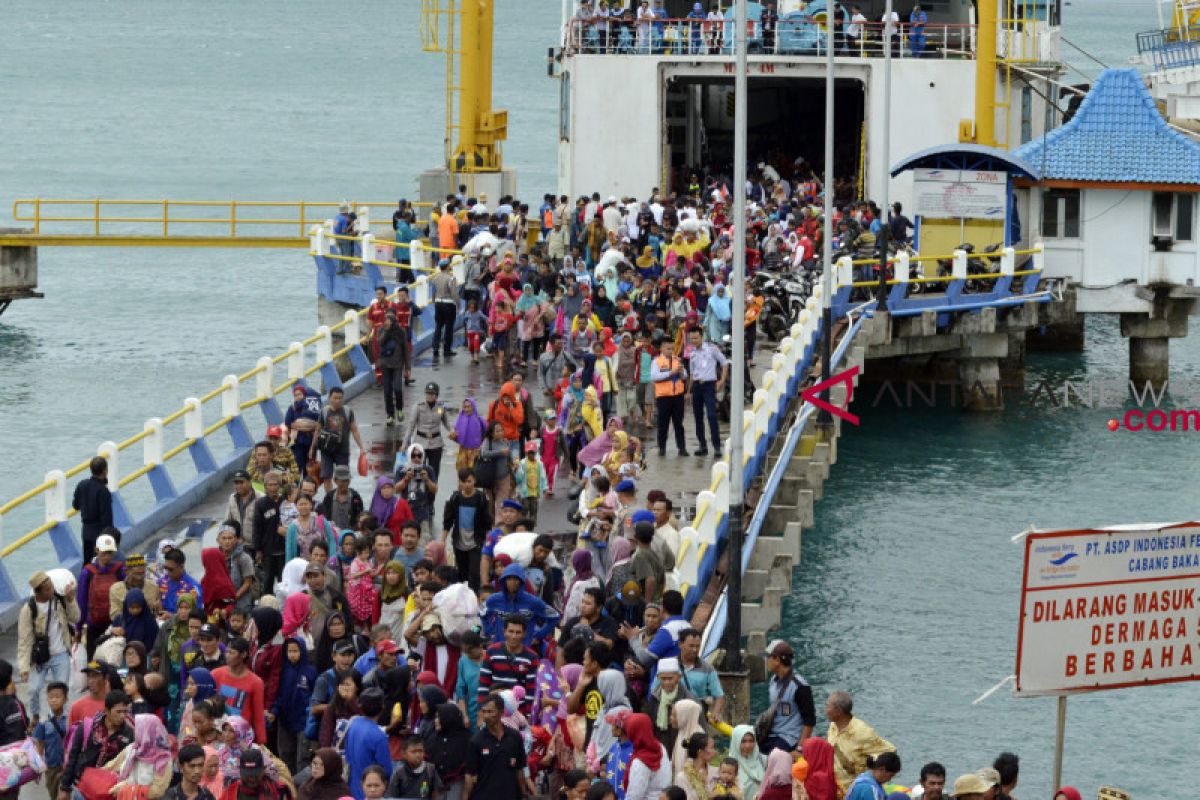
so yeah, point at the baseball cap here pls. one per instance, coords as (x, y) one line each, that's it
(531, 447)
(250, 765)
(106, 544)
(343, 646)
(241, 475)
(780, 649)
(314, 568)
(274, 431)
(387, 646)
(38, 578)
(970, 783)
(97, 667)
(208, 630)
(341, 472)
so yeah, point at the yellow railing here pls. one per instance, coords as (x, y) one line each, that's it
(234, 218)
(175, 416)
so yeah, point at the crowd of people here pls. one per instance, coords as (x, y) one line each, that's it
(406, 646)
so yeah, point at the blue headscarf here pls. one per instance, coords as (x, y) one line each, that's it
(206, 687)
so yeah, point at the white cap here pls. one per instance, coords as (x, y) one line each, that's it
(668, 665)
(611, 199)
(106, 544)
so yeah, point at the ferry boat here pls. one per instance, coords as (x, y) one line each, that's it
(651, 100)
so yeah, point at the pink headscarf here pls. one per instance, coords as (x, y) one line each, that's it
(295, 613)
(150, 743)
(570, 674)
(622, 549)
(779, 769)
(435, 551)
(216, 783)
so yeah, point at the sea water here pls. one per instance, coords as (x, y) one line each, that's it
(907, 594)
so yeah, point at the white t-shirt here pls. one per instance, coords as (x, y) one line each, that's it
(855, 28)
(54, 626)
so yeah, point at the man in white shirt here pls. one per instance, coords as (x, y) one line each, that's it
(644, 15)
(44, 635)
(891, 24)
(854, 31)
(612, 215)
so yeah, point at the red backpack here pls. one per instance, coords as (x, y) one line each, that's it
(97, 598)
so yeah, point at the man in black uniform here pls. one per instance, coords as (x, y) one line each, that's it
(495, 757)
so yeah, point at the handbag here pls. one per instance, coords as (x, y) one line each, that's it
(765, 720)
(95, 783)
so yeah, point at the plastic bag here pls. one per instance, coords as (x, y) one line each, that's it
(20, 763)
(63, 581)
(458, 608)
(78, 662)
(111, 651)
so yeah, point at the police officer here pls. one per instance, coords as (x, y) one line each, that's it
(428, 419)
(709, 371)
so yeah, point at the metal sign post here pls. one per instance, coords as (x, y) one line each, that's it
(825, 419)
(1060, 730)
(733, 606)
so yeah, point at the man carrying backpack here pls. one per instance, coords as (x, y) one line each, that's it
(97, 740)
(95, 581)
(44, 627)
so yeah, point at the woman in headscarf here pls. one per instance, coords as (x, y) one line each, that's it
(146, 762)
(168, 647)
(389, 509)
(290, 704)
(266, 650)
(211, 778)
(570, 420)
(622, 557)
(1067, 793)
(603, 307)
(200, 686)
(135, 655)
(393, 595)
(601, 445)
(616, 762)
(422, 715)
(216, 587)
(435, 551)
(617, 457)
(296, 614)
(529, 313)
(686, 716)
(820, 784)
(347, 551)
(593, 416)
(649, 770)
(611, 685)
(337, 628)
(448, 753)
(292, 579)
(237, 737)
(509, 411)
(743, 747)
(326, 781)
(469, 429)
(581, 565)
(777, 778)
(718, 315)
(136, 622)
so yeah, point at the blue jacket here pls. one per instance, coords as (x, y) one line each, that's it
(295, 690)
(541, 616)
(366, 744)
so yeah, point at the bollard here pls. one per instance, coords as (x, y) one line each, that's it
(263, 381)
(56, 496)
(959, 271)
(350, 332)
(152, 445)
(193, 420)
(325, 344)
(295, 362)
(230, 402)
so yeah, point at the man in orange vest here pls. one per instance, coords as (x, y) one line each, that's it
(670, 384)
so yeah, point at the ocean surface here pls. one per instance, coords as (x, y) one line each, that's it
(908, 591)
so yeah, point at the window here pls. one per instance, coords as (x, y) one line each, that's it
(1172, 215)
(1026, 114)
(1060, 213)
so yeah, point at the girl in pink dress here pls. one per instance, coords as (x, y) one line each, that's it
(550, 450)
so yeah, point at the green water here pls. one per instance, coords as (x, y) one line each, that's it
(908, 590)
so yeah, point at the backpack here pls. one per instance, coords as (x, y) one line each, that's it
(83, 726)
(98, 588)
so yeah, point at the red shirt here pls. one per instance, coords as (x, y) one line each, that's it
(245, 695)
(85, 707)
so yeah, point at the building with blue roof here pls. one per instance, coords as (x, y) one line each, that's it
(1115, 205)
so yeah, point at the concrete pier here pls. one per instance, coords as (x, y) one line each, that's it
(1149, 340)
(18, 271)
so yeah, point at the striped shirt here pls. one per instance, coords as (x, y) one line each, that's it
(501, 669)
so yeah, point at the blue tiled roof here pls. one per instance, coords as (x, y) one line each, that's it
(1117, 135)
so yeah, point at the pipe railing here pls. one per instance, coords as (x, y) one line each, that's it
(625, 35)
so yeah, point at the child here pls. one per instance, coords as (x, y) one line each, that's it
(476, 323)
(501, 320)
(726, 784)
(135, 687)
(531, 481)
(50, 734)
(550, 450)
(361, 594)
(466, 688)
(292, 701)
(235, 623)
(374, 782)
(412, 777)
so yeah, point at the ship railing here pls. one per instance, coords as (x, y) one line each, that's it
(1170, 48)
(696, 37)
(214, 430)
(1012, 285)
(223, 219)
(714, 630)
(702, 538)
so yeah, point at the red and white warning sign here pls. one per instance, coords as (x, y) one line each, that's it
(1107, 608)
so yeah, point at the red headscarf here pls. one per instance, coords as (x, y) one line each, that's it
(640, 732)
(216, 585)
(820, 783)
(1070, 792)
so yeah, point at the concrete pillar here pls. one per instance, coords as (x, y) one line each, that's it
(1012, 366)
(18, 271)
(1149, 361)
(736, 686)
(981, 387)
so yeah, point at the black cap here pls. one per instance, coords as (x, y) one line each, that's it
(432, 388)
(250, 765)
(344, 646)
(241, 475)
(210, 631)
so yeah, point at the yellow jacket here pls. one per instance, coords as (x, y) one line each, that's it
(852, 747)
